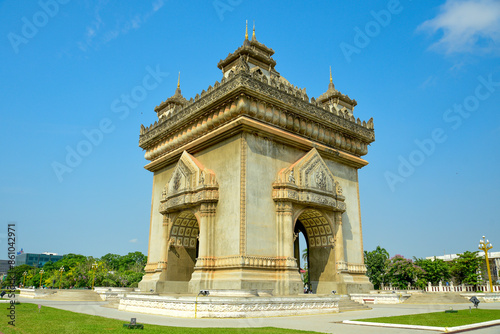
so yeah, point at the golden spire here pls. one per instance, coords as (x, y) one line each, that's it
(331, 80)
(246, 30)
(253, 34)
(179, 80)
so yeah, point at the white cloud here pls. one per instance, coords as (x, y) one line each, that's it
(157, 5)
(134, 241)
(466, 26)
(429, 82)
(99, 33)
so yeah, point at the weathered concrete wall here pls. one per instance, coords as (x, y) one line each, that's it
(265, 159)
(351, 228)
(224, 159)
(160, 179)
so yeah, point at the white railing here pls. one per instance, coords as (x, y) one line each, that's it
(448, 288)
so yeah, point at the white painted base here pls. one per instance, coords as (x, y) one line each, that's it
(229, 307)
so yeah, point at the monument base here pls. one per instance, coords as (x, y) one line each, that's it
(283, 283)
(280, 283)
(229, 306)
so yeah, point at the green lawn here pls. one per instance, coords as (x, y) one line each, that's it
(441, 319)
(51, 320)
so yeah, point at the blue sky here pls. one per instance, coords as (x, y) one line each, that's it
(75, 72)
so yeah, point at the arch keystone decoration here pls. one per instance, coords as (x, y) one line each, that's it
(191, 185)
(309, 181)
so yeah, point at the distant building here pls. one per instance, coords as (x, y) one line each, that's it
(37, 260)
(4, 267)
(494, 260)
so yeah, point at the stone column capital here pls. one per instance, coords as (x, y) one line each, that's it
(284, 208)
(207, 209)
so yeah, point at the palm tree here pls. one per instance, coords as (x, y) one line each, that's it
(305, 254)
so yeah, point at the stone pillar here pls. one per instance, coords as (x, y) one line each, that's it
(296, 249)
(162, 263)
(203, 237)
(288, 280)
(206, 237)
(203, 268)
(285, 230)
(339, 243)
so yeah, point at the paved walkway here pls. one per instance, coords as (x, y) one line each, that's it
(329, 323)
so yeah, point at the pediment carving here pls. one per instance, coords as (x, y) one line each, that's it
(191, 184)
(309, 181)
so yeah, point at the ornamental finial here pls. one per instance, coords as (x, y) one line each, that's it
(331, 80)
(246, 30)
(179, 80)
(253, 34)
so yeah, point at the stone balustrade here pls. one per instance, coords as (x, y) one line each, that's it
(450, 288)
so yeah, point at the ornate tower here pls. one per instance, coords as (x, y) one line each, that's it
(244, 167)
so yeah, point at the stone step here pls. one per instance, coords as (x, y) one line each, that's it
(346, 304)
(74, 295)
(436, 298)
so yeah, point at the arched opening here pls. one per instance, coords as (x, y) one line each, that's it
(319, 241)
(301, 253)
(183, 249)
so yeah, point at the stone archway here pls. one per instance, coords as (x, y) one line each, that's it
(320, 241)
(183, 247)
(188, 207)
(307, 192)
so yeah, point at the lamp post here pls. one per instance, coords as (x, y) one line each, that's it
(24, 278)
(485, 246)
(61, 270)
(94, 267)
(41, 275)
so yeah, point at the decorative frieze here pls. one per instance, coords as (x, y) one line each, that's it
(356, 268)
(235, 97)
(191, 184)
(309, 181)
(228, 307)
(261, 262)
(151, 267)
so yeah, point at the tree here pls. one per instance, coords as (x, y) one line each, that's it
(112, 261)
(112, 270)
(402, 272)
(16, 275)
(376, 266)
(304, 256)
(466, 267)
(135, 261)
(434, 271)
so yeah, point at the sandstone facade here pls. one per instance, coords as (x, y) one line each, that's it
(244, 167)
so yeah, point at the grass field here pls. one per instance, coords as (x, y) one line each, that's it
(51, 320)
(441, 319)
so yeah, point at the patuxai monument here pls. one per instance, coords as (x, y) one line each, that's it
(244, 167)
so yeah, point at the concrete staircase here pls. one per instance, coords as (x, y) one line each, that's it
(74, 295)
(346, 304)
(436, 298)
